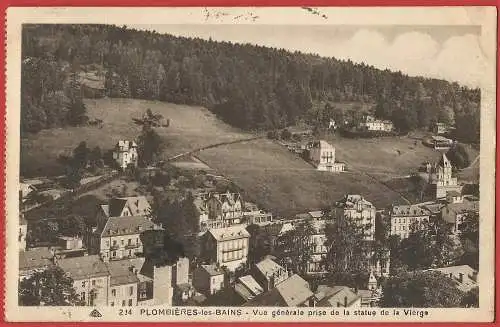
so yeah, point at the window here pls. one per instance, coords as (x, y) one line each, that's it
(130, 302)
(93, 282)
(107, 243)
(123, 242)
(113, 254)
(82, 296)
(113, 292)
(114, 242)
(124, 303)
(129, 242)
(84, 283)
(131, 290)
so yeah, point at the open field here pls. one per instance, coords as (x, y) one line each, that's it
(190, 128)
(283, 183)
(384, 157)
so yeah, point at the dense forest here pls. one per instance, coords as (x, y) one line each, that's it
(248, 86)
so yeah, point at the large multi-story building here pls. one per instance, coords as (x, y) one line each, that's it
(457, 208)
(361, 211)
(226, 246)
(91, 278)
(119, 226)
(322, 155)
(404, 217)
(125, 154)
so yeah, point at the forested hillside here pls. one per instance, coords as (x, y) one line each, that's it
(248, 86)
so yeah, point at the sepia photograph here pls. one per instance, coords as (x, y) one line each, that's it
(247, 164)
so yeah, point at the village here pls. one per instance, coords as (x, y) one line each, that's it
(235, 253)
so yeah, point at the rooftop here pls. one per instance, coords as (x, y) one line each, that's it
(292, 292)
(229, 233)
(212, 270)
(127, 225)
(122, 272)
(336, 296)
(35, 258)
(268, 267)
(138, 205)
(247, 287)
(90, 266)
(410, 210)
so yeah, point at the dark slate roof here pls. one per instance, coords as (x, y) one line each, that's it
(35, 258)
(290, 293)
(127, 225)
(122, 273)
(90, 266)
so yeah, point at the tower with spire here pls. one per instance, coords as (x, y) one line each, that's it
(445, 182)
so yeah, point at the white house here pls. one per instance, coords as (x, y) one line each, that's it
(373, 124)
(322, 155)
(125, 153)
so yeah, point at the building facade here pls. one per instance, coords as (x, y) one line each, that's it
(208, 279)
(372, 124)
(403, 217)
(226, 246)
(125, 154)
(322, 155)
(445, 182)
(363, 212)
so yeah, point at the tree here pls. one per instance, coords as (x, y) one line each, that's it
(471, 298)
(81, 156)
(149, 146)
(296, 248)
(285, 134)
(429, 246)
(348, 251)
(95, 158)
(421, 289)
(50, 287)
(72, 225)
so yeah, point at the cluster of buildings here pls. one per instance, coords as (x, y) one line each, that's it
(373, 124)
(110, 264)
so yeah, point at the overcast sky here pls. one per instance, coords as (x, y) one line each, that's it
(448, 52)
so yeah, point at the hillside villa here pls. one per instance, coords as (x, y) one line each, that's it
(322, 155)
(125, 154)
(370, 123)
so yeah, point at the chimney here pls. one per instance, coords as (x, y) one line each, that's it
(461, 277)
(345, 301)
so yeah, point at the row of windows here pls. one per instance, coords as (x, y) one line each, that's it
(122, 242)
(94, 282)
(234, 244)
(124, 303)
(231, 256)
(130, 291)
(127, 253)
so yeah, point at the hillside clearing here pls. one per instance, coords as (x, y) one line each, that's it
(190, 128)
(285, 184)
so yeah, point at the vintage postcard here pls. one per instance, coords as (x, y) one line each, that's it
(250, 164)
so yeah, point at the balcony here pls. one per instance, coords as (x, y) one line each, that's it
(132, 246)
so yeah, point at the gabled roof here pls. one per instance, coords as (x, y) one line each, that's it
(212, 270)
(229, 233)
(122, 272)
(127, 225)
(247, 287)
(90, 266)
(336, 296)
(292, 292)
(138, 205)
(35, 258)
(268, 267)
(409, 210)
